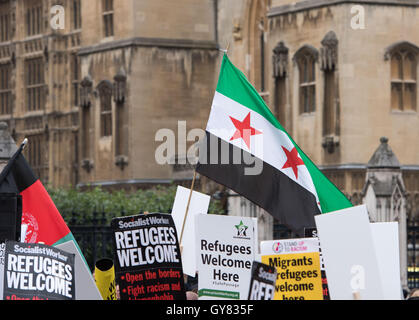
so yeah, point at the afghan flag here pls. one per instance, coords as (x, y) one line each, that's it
(241, 133)
(40, 218)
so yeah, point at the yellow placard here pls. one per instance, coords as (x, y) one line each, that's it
(299, 276)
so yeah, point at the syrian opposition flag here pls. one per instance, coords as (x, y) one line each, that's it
(40, 218)
(288, 185)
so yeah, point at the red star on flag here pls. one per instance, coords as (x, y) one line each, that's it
(244, 130)
(293, 161)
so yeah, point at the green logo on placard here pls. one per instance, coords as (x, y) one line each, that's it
(241, 229)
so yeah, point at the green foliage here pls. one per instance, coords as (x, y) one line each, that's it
(114, 204)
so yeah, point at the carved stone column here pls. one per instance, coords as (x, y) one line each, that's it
(329, 52)
(331, 115)
(384, 194)
(280, 60)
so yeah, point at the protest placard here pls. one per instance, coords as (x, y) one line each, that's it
(38, 272)
(349, 254)
(85, 284)
(299, 276)
(302, 245)
(386, 242)
(199, 204)
(262, 283)
(2, 254)
(147, 258)
(225, 251)
(312, 232)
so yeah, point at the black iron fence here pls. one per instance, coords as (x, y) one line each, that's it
(93, 235)
(413, 253)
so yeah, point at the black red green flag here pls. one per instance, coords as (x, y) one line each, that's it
(40, 217)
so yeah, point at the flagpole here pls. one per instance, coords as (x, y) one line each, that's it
(226, 49)
(24, 143)
(187, 207)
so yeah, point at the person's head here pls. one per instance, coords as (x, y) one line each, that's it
(414, 294)
(191, 295)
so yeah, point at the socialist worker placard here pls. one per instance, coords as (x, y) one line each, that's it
(148, 263)
(38, 272)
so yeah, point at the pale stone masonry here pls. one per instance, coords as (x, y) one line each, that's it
(90, 98)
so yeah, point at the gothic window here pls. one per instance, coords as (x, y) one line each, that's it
(105, 93)
(358, 181)
(5, 89)
(75, 79)
(4, 21)
(76, 17)
(35, 84)
(306, 58)
(108, 12)
(33, 13)
(35, 153)
(257, 31)
(403, 60)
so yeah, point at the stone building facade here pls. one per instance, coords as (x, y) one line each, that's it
(92, 96)
(339, 75)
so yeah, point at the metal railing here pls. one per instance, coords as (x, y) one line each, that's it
(413, 253)
(93, 235)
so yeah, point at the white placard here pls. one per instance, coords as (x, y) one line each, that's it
(198, 205)
(86, 288)
(2, 256)
(386, 241)
(225, 251)
(349, 254)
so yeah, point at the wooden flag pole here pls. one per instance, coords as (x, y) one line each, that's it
(187, 208)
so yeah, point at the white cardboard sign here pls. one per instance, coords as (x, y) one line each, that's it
(349, 254)
(198, 205)
(86, 288)
(225, 251)
(386, 241)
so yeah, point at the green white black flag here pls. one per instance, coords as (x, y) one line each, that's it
(290, 187)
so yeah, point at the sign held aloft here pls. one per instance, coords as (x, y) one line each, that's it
(262, 284)
(38, 272)
(225, 250)
(349, 254)
(147, 258)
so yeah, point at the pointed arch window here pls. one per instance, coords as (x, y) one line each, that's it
(76, 17)
(5, 89)
(306, 58)
(404, 61)
(33, 17)
(5, 23)
(108, 13)
(105, 89)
